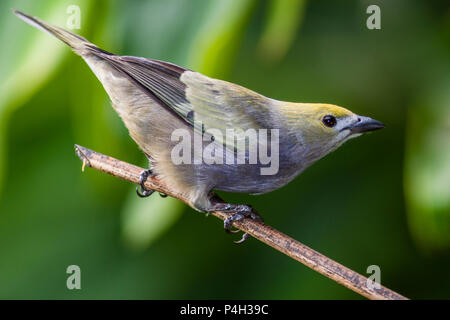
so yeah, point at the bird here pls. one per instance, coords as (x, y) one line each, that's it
(195, 130)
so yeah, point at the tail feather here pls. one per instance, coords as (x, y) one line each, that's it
(76, 42)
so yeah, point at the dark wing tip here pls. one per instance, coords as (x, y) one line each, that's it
(20, 14)
(17, 12)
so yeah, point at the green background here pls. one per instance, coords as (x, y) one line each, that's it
(381, 199)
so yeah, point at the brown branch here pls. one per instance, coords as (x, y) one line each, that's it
(260, 231)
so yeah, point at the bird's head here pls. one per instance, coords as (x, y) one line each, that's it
(321, 128)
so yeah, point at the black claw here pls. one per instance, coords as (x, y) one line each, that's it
(162, 195)
(244, 237)
(145, 193)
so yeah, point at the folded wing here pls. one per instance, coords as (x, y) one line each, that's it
(203, 102)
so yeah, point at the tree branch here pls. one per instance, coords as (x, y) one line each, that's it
(260, 231)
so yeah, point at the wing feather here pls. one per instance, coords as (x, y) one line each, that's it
(203, 102)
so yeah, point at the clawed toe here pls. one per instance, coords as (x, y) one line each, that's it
(244, 237)
(144, 193)
(227, 224)
(239, 212)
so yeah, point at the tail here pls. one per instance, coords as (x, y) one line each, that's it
(76, 42)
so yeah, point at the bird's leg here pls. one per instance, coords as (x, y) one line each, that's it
(142, 178)
(240, 211)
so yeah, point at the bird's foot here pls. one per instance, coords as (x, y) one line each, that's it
(144, 193)
(240, 211)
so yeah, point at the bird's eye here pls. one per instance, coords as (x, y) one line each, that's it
(329, 121)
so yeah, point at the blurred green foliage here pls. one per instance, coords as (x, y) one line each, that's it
(381, 199)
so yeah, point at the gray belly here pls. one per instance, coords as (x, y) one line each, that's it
(247, 178)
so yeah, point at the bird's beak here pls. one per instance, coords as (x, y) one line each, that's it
(365, 124)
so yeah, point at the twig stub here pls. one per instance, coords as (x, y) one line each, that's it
(260, 231)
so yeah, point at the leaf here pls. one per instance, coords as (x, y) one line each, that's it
(146, 220)
(427, 168)
(213, 50)
(283, 20)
